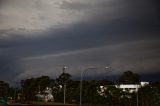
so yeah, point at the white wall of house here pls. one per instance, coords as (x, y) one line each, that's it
(46, 96)
(130, 88)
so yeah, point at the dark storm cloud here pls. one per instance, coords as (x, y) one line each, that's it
(8, 68)
(123, 34)
(126, 50)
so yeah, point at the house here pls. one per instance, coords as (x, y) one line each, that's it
(129, 88)
(46, 95)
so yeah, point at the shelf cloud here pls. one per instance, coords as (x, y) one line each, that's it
(38, 37)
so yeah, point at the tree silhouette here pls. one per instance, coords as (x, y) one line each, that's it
(128, 77)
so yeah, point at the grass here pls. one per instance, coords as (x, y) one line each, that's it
(49, 103)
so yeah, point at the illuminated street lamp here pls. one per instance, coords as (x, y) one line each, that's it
(82, 73)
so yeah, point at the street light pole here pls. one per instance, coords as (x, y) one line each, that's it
(81, 89)
(64, 86)
(82, 72)
(137, 94)
(64, 93)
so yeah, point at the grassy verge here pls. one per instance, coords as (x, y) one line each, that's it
(49, 103)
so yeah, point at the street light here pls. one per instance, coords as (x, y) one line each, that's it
(137, 95)
(82, 73)
(64, 93)
(64, 86)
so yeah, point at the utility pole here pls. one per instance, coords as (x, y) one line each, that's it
(64, 87)
(137, 95)
(64, 93)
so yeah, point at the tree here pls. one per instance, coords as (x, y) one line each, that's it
(156, 84)
(4, 87)
(145, 95)
(42, 82)
(90, 92)
(29, 88)
(113, 95)
(104, 82)
(32, 86)
(149, 95)
(73, 92)
(128, 77)
(63, 80)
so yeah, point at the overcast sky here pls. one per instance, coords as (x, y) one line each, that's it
(38, 37)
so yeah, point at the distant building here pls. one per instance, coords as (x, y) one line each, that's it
(129, 88)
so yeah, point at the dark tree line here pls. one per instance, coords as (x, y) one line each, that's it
(6, 90)
(147, 96)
